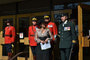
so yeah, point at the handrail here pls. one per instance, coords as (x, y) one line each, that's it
(18, 55)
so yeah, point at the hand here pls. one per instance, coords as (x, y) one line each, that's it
(58, 35)
(73, 42)
(46, 40)
(13, 45)
(42, 42)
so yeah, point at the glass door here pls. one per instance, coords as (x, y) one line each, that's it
(23, 23)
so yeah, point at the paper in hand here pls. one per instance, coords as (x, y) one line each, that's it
(45, 45)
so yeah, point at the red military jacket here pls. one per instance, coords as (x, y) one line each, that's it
(53, 28)
(31, 35)
(9, 34)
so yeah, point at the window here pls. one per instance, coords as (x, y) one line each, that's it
(23, 25)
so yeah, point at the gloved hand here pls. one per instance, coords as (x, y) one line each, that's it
(73, 42)
(12, 45)
(58, 35)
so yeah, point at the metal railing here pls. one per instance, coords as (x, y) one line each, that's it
(15, 56)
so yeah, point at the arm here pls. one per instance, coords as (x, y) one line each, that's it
(55, 32)
(50, 35)
(50, 38)
(36, 38)
(58, 35)
(73, 32)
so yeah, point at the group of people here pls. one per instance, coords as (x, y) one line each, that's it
(46, 30)
(43, 33)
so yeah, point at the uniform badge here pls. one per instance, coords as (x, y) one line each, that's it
(50, 26)
(66, 28)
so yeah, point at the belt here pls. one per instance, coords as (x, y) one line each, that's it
(9, 35)
(32, 35)
(43, 38)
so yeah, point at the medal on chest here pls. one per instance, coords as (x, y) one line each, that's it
(67, 29)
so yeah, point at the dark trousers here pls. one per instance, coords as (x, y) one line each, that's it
(33, 48)
(8, 48)
(51, 51)
(65, 53)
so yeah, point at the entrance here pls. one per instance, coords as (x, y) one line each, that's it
(84, 31)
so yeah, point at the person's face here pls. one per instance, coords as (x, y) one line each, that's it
(8, 24)
(47, 20)
(43, 26)
(34, 22)
(63, 18)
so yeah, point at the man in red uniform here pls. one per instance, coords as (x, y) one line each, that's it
(31, 35)
(9, 38)
(53, 28)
